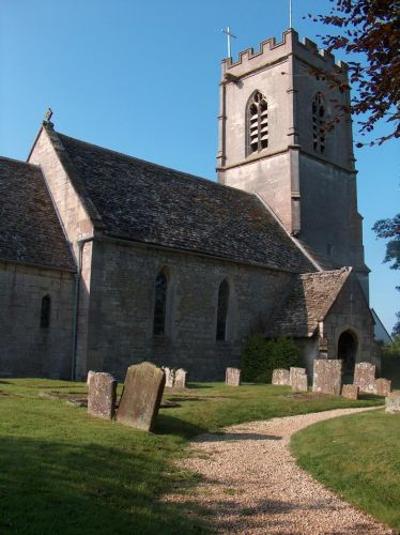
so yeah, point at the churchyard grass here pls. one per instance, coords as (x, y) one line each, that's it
(358, 456)
(63, 471)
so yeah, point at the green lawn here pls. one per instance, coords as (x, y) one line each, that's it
(63, 472)
(358, 456)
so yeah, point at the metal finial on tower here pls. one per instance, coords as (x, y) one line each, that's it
(229, 34)
(48, 115)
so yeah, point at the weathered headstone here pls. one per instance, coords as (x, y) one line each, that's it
(383, 387)
(280, 376)
(293, 372)
(392, 402)
(102, 395)
(300, 383)
(169, 376)
(89, 375)
(180, 378)
(327, 376)
(364, 376)
(232, 376)
(141, 396)
(350, 391)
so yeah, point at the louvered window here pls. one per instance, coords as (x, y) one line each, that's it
(318, 124)
(257, 123)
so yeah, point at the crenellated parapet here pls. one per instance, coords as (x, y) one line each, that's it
(270, 52)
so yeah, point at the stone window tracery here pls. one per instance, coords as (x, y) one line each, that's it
(257, 123)
(160, 303)
(45, 312)
(318, 124)
(222, 310)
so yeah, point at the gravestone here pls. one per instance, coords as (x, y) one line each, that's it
(327, 376)
(293, 372)
(180, 378)
(350, 391)
(300, 383)
(232, 376)
(102, 395)
(280, 376)
(392, 403)
(141, 396)
(89, 375)
(169, 376)
(364, 377)
(383, 387)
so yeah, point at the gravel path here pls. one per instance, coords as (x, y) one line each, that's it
(252, 485)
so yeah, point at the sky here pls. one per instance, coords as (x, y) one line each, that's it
(142, 78)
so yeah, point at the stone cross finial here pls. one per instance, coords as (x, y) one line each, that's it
(48, 115)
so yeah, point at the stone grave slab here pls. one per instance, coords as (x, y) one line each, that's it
(280, 376)
(102, 395)
(364, 377)
(392, 403)
(350, 391)
(293, 372)
(89, 375)
(327, 376)
(169, 376)
(141, 396)
(300, 383)
(383, 387)
(180, 378)
(232, 376)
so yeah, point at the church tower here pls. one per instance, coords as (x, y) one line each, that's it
(276, 109)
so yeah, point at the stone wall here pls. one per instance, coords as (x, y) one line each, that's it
(122, 307)
(27, 349)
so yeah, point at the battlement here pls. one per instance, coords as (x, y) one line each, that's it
(271, 51)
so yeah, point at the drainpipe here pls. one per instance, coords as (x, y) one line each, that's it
(81, 244)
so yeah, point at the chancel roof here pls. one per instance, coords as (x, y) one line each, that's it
(308, 301)
(145, 202)
(30, 231)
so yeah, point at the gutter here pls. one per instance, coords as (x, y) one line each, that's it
(81, 244)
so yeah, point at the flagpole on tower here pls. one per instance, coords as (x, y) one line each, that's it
(290, 14)
(229, 34)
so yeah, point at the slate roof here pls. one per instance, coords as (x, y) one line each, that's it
(308, 301)
(29, 228)
(149, 203)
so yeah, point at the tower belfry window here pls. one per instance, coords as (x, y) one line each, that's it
(257, 123)
(318, 124)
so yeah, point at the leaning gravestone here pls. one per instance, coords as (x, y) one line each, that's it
(350, 391)
(383, 387)
(364, 377)
(300, 383)
(327, 377)
(392, 403)
(180, 378)
(141, 396)
(89, 375)
(232, 376)
(280, 376)
(294, 372)
(102, 395)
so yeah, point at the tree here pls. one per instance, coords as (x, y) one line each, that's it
(369, 31)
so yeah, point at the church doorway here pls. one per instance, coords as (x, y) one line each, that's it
(347, 351)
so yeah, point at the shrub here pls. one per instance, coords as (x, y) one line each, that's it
(261, 356)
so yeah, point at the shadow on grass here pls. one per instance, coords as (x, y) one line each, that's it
(170, 425)
(56, 487)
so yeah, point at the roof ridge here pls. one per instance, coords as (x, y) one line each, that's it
(20, 162)
(184, 174)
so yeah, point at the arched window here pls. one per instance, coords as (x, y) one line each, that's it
(222, 310)
(318, 123)
(257, 123)
(45, 311)
(160, 304)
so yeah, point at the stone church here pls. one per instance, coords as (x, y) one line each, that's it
(107, 260)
